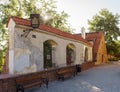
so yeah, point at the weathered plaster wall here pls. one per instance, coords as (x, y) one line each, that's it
(11, 46)
(90, 54)
(61, 46)
(29, 51)
(102, 52)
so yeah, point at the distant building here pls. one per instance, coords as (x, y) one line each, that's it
(99, 46)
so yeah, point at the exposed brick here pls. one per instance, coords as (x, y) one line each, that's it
(87, 65)
(7, 82)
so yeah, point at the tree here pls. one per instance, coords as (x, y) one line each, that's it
(114, 49)
(117, 46)
(107, 22)
(23, 8)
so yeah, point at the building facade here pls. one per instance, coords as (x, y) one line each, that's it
(99, 47)
(44, 47)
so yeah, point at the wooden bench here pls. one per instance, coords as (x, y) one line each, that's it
(24, 82)
(65, 73)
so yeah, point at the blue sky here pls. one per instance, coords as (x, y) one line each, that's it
(82, 10)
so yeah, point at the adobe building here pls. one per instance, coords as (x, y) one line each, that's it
(44, 47)
(99, 46)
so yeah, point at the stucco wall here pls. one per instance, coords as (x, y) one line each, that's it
(102, 52)
(32, 49)
(11, 27)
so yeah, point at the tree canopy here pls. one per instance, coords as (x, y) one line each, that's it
(114, 49)
(23, 8)
(108, 23)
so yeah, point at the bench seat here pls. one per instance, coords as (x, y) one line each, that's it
(65, 73)
(23, 83)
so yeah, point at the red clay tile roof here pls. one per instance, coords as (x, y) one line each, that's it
(96, 37)
(25, 22)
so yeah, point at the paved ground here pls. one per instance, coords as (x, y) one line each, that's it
(105, 78)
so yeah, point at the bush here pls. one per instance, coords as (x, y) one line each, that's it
(113, 59)
(1, 65)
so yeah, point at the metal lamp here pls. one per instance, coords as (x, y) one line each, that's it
(34, 20)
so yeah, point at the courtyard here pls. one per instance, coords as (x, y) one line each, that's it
(103, 78)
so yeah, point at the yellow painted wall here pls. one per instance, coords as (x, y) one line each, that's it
(102, 52)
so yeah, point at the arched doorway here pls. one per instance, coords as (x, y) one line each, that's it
(86, 55)
(70, 54)
(49, 53)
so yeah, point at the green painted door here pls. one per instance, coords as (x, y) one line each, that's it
(47, 55)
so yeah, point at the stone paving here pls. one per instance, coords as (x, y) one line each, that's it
(103, 78)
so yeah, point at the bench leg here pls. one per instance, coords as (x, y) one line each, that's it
(62, 78)
(74, 74)
(47, 84)
(19, 88)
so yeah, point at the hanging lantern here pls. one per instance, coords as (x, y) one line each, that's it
(34, 20)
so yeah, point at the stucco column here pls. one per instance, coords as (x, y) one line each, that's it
(11, 63)
(61, 53)
(11, 46)
(79, 54)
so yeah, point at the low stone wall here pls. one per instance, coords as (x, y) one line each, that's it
(87, 65)
(7, 82)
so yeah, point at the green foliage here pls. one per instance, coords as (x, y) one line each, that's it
(3, 36)
(114, 47)
(47, 54)
(117, 49)
(108, 23)
(1, 64)
(46, 8)
(23, 8)
(113, 59)
(59, 21)
(114, 50)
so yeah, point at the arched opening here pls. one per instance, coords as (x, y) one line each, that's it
(86, 55)
(70, 54)
(49, 53)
